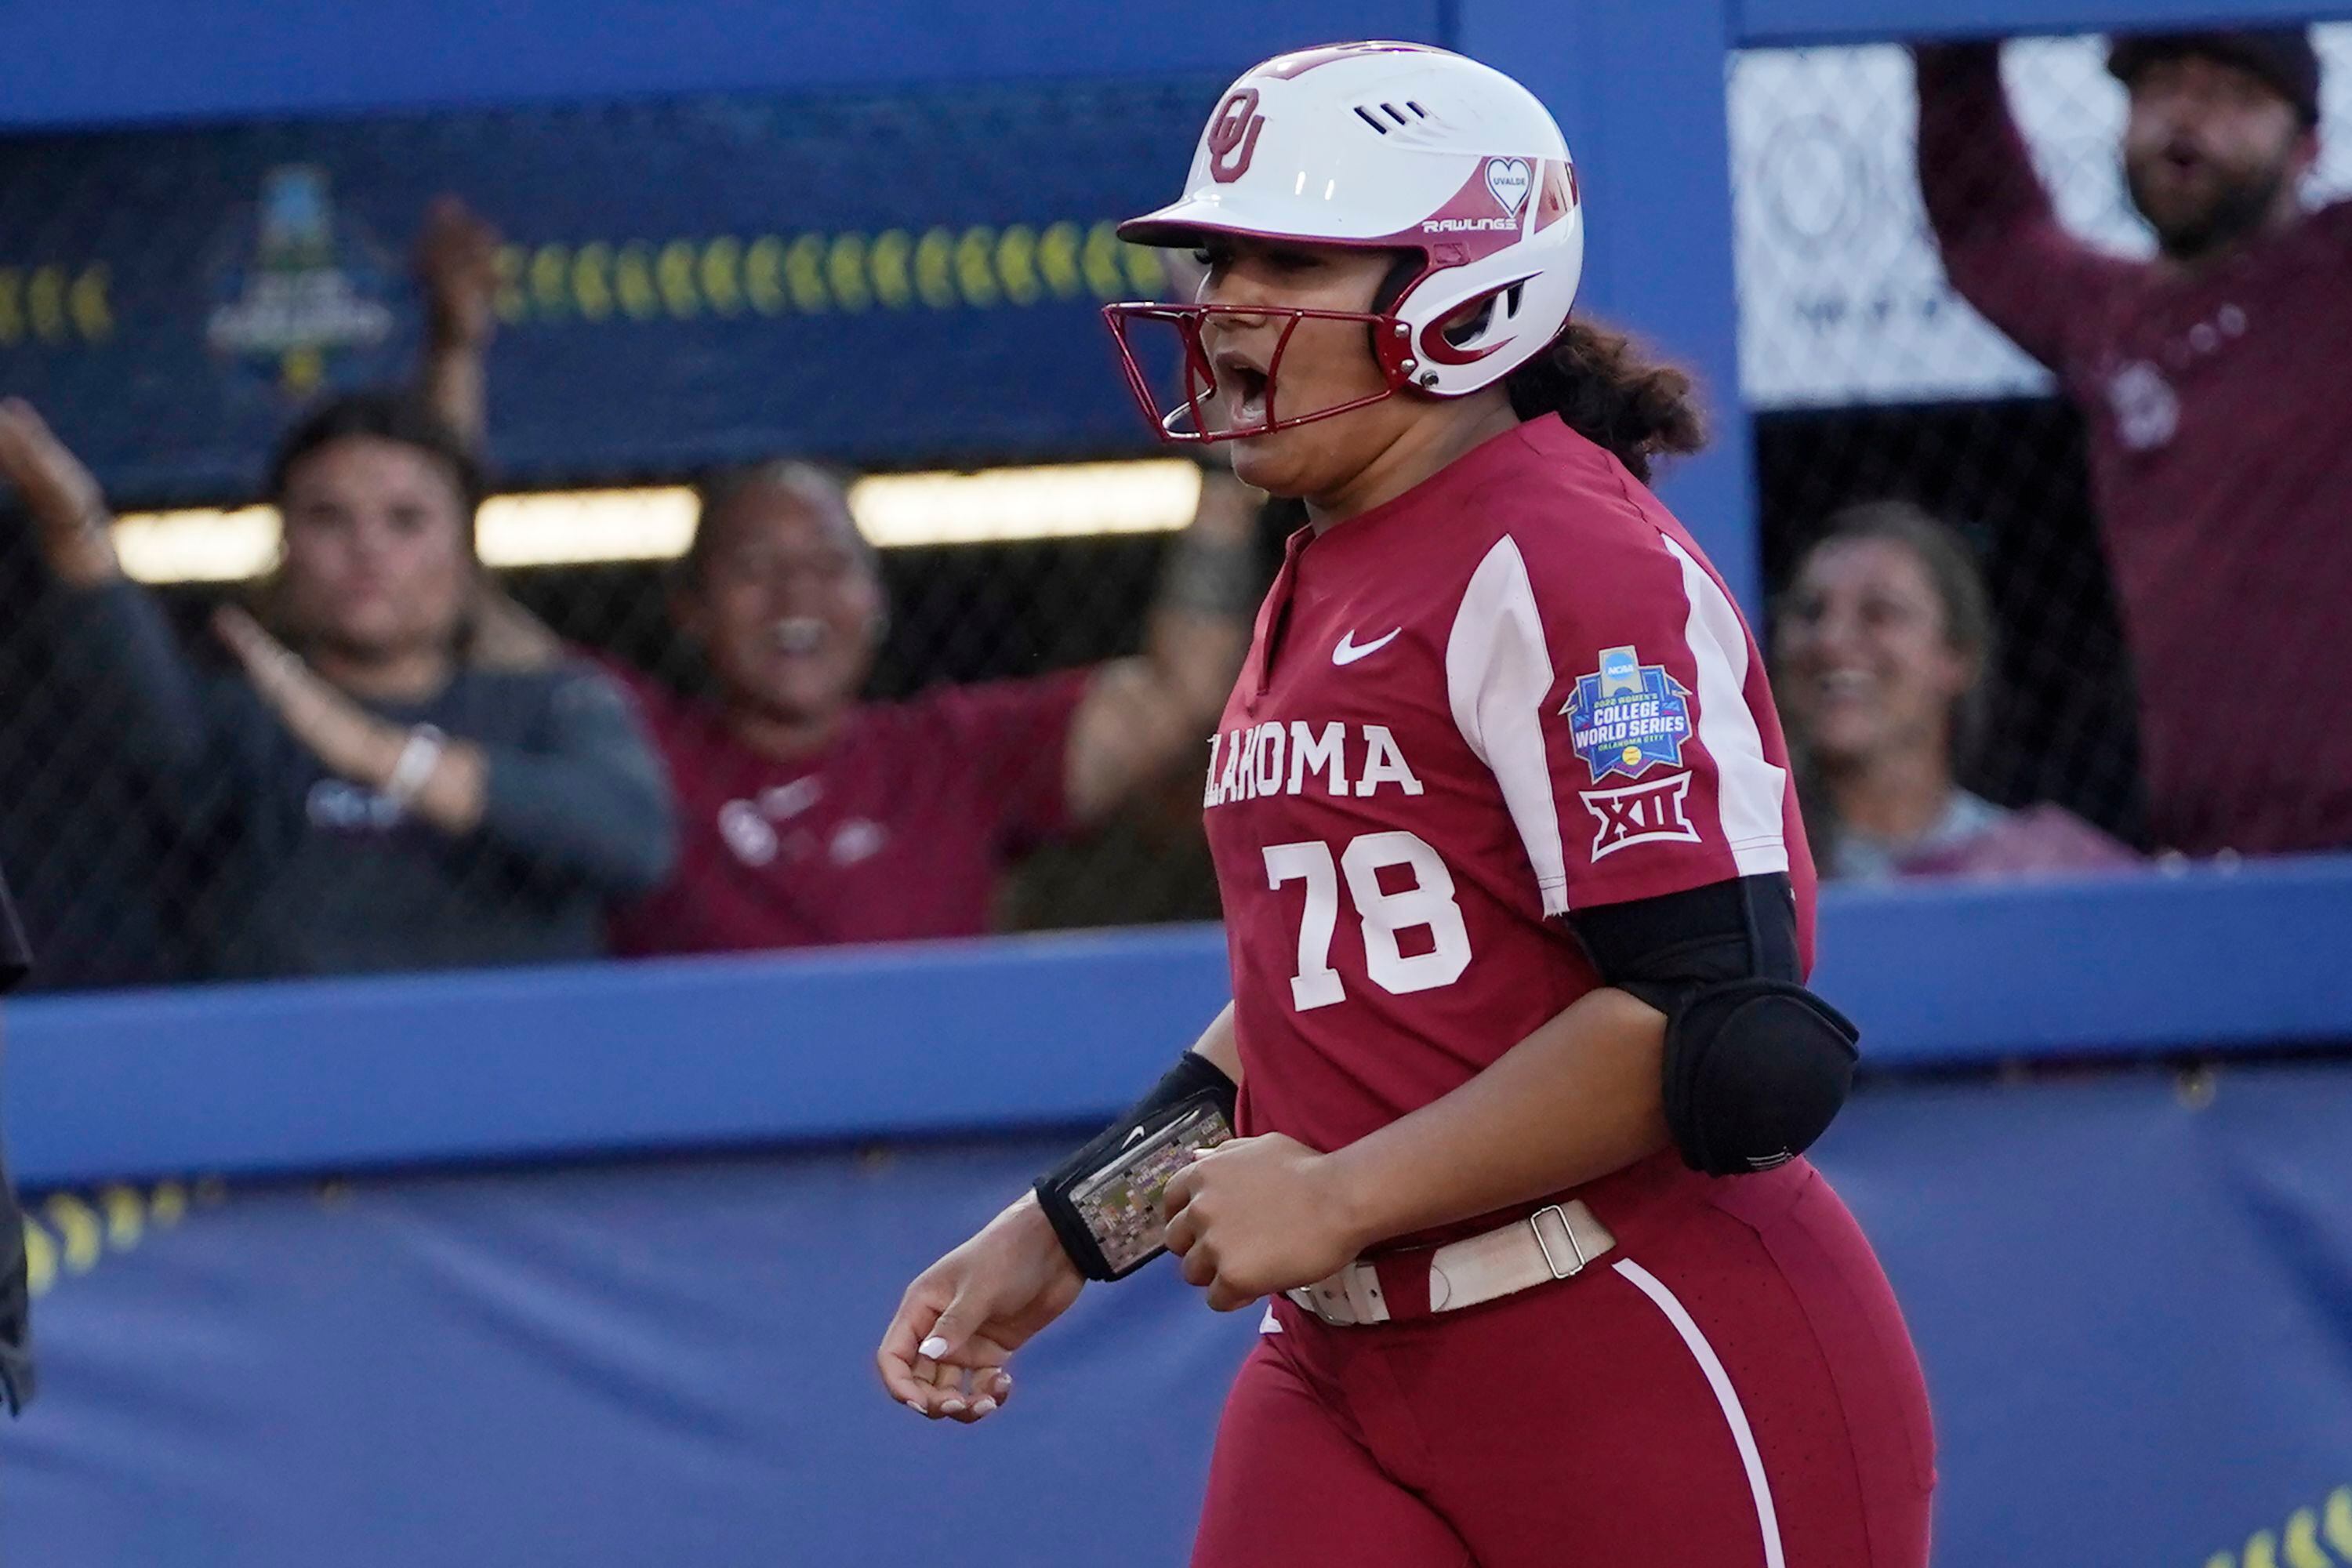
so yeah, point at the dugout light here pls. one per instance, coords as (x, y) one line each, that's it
(1070, 500)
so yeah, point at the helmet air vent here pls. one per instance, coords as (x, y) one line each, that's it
(1410, 116)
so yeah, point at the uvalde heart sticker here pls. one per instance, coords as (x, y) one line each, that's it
(1508, 180)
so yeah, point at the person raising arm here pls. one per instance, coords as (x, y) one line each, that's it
(813, 816)
(809, 815)
(364, 722)
(2220, 454)
(2002, 245)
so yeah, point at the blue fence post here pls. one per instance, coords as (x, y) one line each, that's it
(1640, 91)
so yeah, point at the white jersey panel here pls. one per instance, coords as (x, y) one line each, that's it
(1750, 790)
(1498, 670)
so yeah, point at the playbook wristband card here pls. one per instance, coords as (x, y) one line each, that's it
(1107, 1202)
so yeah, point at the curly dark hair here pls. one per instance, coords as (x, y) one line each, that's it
(1604, 387)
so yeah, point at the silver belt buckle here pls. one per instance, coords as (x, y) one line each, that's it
(1313, 1298)
(1567, 1232)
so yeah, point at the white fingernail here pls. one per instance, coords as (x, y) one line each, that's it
(952, 1407)
(916, 1406)
(934, 1347)
(983, 1406)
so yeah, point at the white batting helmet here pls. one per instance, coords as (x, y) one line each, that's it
(1381, 146)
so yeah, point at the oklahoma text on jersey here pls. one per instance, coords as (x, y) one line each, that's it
(1253, 758)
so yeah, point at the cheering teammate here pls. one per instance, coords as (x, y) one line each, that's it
(1520, 910)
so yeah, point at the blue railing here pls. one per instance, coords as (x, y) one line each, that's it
(1030, 1032)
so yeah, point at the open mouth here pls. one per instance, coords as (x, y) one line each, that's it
(797, 635)
(1843, 686)
(1242, 384)
(2182, 161)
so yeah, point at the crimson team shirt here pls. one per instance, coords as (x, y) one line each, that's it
(898, 830)
(1516, 692)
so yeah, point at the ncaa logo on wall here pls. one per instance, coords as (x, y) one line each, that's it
(1232, 135)
(306, 286)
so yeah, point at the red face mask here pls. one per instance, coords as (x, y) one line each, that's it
(1187, 419)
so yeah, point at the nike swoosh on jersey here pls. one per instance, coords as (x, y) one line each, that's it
(1350, 650)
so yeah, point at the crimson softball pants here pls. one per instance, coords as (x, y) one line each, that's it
(1732, 1386)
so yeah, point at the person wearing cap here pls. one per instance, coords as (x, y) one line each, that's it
(2206, 375)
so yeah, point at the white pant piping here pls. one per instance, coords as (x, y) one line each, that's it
(1767, 1519)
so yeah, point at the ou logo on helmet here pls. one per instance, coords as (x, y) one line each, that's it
(1232, 135)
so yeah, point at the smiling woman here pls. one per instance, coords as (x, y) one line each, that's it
(811, 816)
(1883, 662)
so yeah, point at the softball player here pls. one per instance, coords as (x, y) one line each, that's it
(1520, 910)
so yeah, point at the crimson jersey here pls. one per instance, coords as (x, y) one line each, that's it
(1516, 691)
(898, 829)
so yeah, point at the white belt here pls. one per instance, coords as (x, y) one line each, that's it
(1551, 1244)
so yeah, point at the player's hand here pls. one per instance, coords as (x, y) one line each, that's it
(959, 1323)
(67, 505)
(457, 266)
(1256, 1215)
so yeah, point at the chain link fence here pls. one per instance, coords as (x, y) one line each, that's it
(184, 808)
(1868, 376)
(1872, 379)
(129, 873)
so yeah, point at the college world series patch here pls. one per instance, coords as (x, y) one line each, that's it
(1628, 717)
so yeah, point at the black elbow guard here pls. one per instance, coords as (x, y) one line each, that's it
(1755, 1070)
(1756, 1065)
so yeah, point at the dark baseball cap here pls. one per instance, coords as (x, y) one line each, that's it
(2282, 57)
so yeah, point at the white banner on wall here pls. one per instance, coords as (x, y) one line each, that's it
(1842, 298)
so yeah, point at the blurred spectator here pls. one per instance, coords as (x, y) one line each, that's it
(811, 817)
(382, 800)
(1883, 644)
(103, 877)
(95, 866)
(15, 1295)
(2208, 376)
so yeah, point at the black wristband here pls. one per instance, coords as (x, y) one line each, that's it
(1191, 1107)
